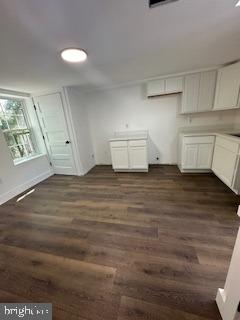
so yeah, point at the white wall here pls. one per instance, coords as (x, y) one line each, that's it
(127, 108)
(218, 119)
(14, 179)
(82, 129)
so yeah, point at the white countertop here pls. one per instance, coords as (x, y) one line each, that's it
(215, 132)
(129, 135)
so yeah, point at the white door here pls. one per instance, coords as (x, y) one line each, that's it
(190, 154)
(138, 158)
(205, 154)
(120, 158)
(54, 126)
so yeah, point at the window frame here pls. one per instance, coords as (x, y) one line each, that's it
(29, 127)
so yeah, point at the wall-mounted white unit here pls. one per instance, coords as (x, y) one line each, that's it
(164, 86)
(198, 92)
(129, 152)
(196, 153)
(228, 87)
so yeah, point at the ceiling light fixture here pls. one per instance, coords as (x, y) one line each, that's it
(74, 55)
(238, 4)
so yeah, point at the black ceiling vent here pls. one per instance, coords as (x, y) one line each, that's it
(154, 3)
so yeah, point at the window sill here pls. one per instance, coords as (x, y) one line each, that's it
(17, 162)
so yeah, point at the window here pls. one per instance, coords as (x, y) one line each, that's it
(15, 127)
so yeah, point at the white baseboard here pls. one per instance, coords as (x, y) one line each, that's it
(130, 170)
(21, 188)
(88, 169)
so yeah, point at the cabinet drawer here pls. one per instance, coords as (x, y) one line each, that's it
(118, 144)
(198, 140)
(137, 143)
(227, 144)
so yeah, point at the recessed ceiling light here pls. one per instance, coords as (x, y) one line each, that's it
(238, 4)
(74, 55)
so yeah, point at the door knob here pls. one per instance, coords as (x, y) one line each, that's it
(67, 142)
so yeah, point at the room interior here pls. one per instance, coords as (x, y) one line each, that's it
(120, 158)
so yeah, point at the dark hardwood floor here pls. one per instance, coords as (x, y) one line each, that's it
(127, 246)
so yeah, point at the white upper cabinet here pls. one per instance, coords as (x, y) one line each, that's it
(198, 92)
(202, 91)
(190, 93)
(164, 86)
(174, 85)
(207, 91)
(156, 88)
(228, 87)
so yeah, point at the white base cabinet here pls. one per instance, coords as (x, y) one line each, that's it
(189, 157)
(196, 153)
(226, 162)
(129, 155)
(119, 152)
(217, 153)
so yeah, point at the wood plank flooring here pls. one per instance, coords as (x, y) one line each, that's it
(127, 246)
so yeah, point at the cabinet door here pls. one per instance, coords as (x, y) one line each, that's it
(120, 158)
(190, 93)
(205, 155)
(228, 86)
(207, 91)
(156, 88)
(224, 162)
(190, 154)
(174, 85)
(138, 157)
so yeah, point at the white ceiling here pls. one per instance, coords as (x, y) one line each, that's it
(125, 40)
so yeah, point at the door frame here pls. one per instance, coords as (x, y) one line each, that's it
(70, 128)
